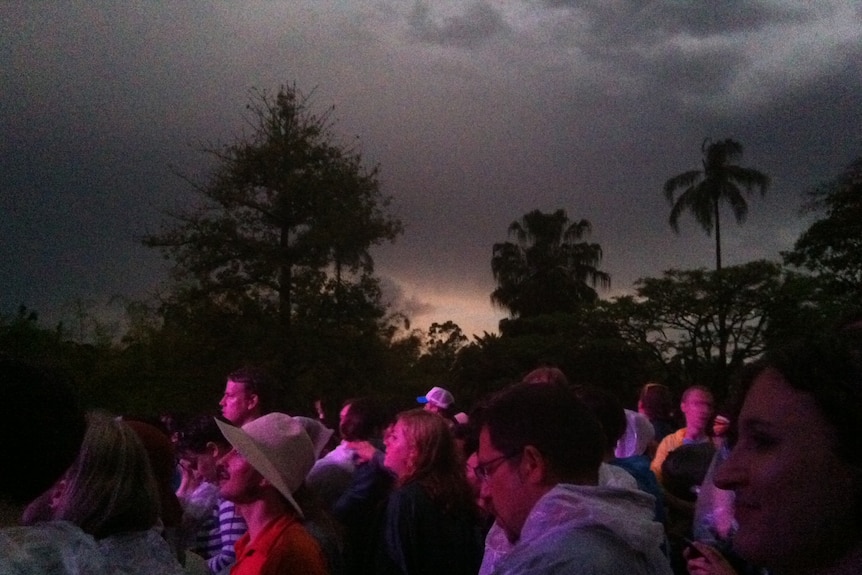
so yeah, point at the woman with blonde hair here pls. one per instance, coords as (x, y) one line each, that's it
(431, 524)
(110, 492)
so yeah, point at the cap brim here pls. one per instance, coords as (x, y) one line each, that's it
(422, 399)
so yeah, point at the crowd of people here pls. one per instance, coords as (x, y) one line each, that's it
(540, 477)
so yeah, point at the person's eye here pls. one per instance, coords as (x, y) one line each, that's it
(759, 441)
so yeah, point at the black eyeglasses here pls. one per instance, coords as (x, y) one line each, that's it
(484, 470)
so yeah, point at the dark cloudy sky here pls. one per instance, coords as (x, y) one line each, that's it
(476, 111)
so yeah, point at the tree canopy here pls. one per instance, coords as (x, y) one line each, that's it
(547, 269)
(832, 246)
(283, 203)
(281, 237)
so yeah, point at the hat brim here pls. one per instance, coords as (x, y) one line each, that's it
(247, 447)
(422, 399)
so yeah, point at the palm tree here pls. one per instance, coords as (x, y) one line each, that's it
(548, 270)
(702, 191)
(719, 180)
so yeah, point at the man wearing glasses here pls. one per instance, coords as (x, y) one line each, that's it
(538, 461)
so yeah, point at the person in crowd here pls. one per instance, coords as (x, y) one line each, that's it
(162, 457)
(317, 432)
(270, 458)
(438, 400)
(211, 524)
(697, 407)
(796, 466)
(546, 373)
(111, 493)
(357, 482)
(539, 454)
(247, 395)
(612, 417)
(692, 451)
(467, 440)
(43, 427)
(431, 523)
(630, 454)
(656, 403)
(361, 420)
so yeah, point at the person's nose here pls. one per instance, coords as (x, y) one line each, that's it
(731, 473)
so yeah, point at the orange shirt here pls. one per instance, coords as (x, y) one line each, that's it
(284, 546)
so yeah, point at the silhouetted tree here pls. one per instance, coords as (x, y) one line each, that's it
(831, 247)
(547, 269)
(285, 224)
(720, 180)
(679, 316)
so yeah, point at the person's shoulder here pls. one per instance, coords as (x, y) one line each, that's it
(295, 550)
(675, 437)
(140, 552)
(584, 551)
(52, 548)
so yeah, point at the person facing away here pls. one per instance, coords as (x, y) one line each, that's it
(656, 403)
(353, 478)
(431, 523)
(539, 454)
(615, 424)
(360, 420)
(247, 395)
(270, 458)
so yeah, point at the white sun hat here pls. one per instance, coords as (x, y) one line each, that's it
(278, 447)
(319, 433)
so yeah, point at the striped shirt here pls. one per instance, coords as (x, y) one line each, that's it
(217, 535)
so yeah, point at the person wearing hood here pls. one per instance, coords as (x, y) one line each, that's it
(539, 454)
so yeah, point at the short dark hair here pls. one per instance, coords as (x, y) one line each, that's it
(197, 432)
(258, 381)
(550, 418)
(42, 426)
(657, 401)
(608, 410)
(365, 419)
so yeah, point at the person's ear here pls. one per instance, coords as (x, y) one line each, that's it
(252, 401)
(263, 481)
(213, 450)
(534, 466)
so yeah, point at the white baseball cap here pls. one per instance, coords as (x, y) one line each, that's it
(439, 397)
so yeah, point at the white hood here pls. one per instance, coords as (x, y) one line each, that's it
(625, 512)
